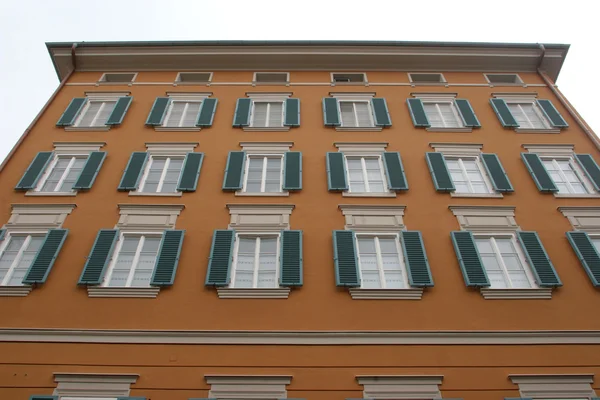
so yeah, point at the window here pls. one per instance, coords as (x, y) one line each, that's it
(381, 266)
(193, 77)
(134, 262)
(125, 77)
(528, 115)
(467, 175)
(267, 114)
(162, 174)
(256, 261)
(356, 114)
(263, 174)
(566, 176)
(442, 114)
(365, 174)
(95, 113)
(271, 77)
(426, 78)
(348, 78)
(62, 174)
(503, 79)
(18, 252)
(182, 114)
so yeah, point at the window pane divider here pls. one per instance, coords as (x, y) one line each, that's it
(16, 261)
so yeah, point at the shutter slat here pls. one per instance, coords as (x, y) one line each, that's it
(35, 170)
(97, 260)
(219, 262)
(442, 179)
(133, 172)
(496, 172)
(331, 111)
(545, 274)
(503, 113)
(291, 258)
(538, 172)
(158, 111)
(552, 114)
(2, 234)
(587, 254)
(345, 259)
(168, 258)
(591, 169)
(292, 112)
(242, 113)
(292, 173)
(188, 181)
(118, 113)
(394, 171)
(234, 171)
(469, 260)
(72, 111)
(417, 264)
(417, 113)
(90, 171)
(207, 112)
(45, 257)
(467, 114)
(380, 112)
(336, 172)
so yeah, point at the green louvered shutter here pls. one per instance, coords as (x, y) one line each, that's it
(220, 259)
(43, 397)
(167, 258)
(158, 111)
(242, 113)
(394, 170)
(552, 113)
(381, 112)
(35, 170)
(590, 168)
(439, 172)
(503, 113)
(97, 260)
(118, 113)
(469, 260)
(417, 113)
(587, 254)
(133, 171)
(538, 172)
(234, 171)
(131, 398)
(523, 398)
(466, 112)
(292, 173)
(206, 115)
(291, 112)
(345, 259)
(45, 257)
(72, 111)
(417, 264)
(496, 172)
(90, 171)
(2, 234)
(331, 112)
(336, 172)
(188, 181)
(291, 258)
(545, 274)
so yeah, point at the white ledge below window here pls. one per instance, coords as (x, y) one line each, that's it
(367, 194)
(241, 293)
(577, 196)
(177, 129)
(265, 194)
(440, 129)
(157, 194)
(386, 294)
(14, 291)
(50, 194)
(478, 195)
(359, 129)
(266, 129)
(87, 128)
(139, 292)
(516, 294)
(525, 130)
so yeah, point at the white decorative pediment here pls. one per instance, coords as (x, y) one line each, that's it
(260, 217)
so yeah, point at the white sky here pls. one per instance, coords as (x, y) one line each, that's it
(27, 77)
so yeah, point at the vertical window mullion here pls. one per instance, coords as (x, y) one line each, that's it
(363, 166)
(163, 175)
(256, 262)
(525, 115)
(234, 263)
(16, 261)
(135, 261)
(465, 175)
(185, 109)
(263, 177)
(360, 266)
(64, 175)
(268, 114)
(113, 260)
(382, 174)
(355, 113)
(380, 263)
(501, 261)
(246, 169)
(441, 115)
(402, 261)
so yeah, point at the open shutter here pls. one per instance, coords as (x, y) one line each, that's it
(72, 111)
(331, 111)
(381, 113)
(242, 113)
(188, 181)
(234, 171)
(42, 397)
(158, 111)
(167, 258)
(545, 274)
(90, 171)
(220, 259)
(439, 172)
(590, 168)
(417, 113)
(523, 398)
(419, 274)
(552, 114)
(538, 172)
(34, 171)
(292, 172)
(291, 258)
(469, 260)
(394, 170)
(345, 259)
(131, 398)
(206, 115)
(2, 234)
(336, 172)
(292, 112)
(496, 172)
(97, 260)
(118, 113)
(45, 257)
(587, 254)
(133, 171)
(503, 113)
(467, 114)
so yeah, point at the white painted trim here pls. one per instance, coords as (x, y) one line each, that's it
(77, 147)
(439, 129)
(189, 96)
(586, 219)
(577, 196)
(359, 129)
(148, 217)
(248, 386)
(368, 194)
(179, 82)
(286, 83)
(401, 386)
(555, 386)
(170, 148)
(262, 194)
(526, 130)
(442, 81)
(50, 194)
(364, 82)
(103, 81)
(176, 129)
(266, 128)
(353, 96)
(262, 218)
(361, 148)
(155, 194)
(104, 128)
(50, 216)
(478, 195)
(269, 96)
(102, 95)
(387, 294)
(122, 292)
(550, 150)
(15, 291)
(93, 385)
(516, 294)
(458, 149)
(485, 219)
(266, 147)
(255, 293)
(496, 84)
(373, 218)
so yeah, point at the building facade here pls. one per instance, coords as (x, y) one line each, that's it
(270, 220)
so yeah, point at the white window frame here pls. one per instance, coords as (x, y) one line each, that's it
(380, 268)
(479, 164)
(46, 174)
(103, 81)
(364, 82)
(455, 113)
(528, 98)
(187, 104)
(518, 80)
(353, 102)
(253, 113)
(264, 149)
(364, 172)
(263, 182)
(589, 187)
(4, 245)
(256, 82)
(537, 111)
(147, 167)
(178, 80)
(85, 108)
(442, 80)
(258, 236)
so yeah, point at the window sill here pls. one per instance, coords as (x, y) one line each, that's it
(434, 129)
(175, 129)
(178, 194)
(136, 292)
(266, 129)
(269, 194)
(359, 129)
(350, 194)
(386, 294)
(516, 294)
(445, 84)
(577, 196)
(523, 130)
(87, 128)
(14, 291)
(51, 194)
(349, 83)
(478, 195)
(232, 293)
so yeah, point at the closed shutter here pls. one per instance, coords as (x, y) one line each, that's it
(167, 258)
(439, 172)
(90, 171)
(242, 113)
(466, 112)
(345, 259)
(34, 171)
(331, 111)
(496, 172)
(188, 181)
(234, 171)
(587, 254)
(552, 114)
(469, 260)
(133, 171)
(394, 170)
(292, 112)
(590, 168)
(206, 115)
(417, 264)
(503, 113)
(336, 172)
(118, 113)
(292, 173)
(545, 274)
(291, 258)
(45, 257)
(72, 111)
(538, 172)
(219, 263)
(97, 260)
(42, 397)
(417, 113)
(158, 111)
(381, 113)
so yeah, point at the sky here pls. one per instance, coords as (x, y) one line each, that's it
(27, 77)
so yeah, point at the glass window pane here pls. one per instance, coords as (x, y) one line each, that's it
(191, 114)
(363, 113)
(347, 113)
(104, 113)
(176, 114)
(259, 117)
(276, 114)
